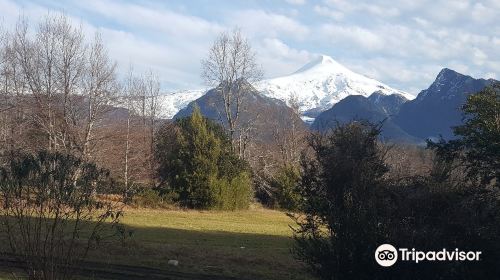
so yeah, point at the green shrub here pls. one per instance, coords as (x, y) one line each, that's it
(234, 193)
(150, 198)
(284, 185)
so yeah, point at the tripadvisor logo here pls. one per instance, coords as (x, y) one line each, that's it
(387, 255)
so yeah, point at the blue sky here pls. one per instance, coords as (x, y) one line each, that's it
(401, 43)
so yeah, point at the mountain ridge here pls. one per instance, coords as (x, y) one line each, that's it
(260, 114)
(316, 86)
(436, 109)
(376, 108)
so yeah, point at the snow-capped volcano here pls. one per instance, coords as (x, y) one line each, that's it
(317, 86)
(320, 84)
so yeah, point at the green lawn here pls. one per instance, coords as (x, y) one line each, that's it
(252, 244)
(8, 275)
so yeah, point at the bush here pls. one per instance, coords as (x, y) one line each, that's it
(350, 208)
(151, 198)
(52, 213)
(284, 185)
(234, 193)
(197, 163)
(342, 222)
(429, 215)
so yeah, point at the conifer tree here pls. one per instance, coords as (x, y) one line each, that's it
(200, 166)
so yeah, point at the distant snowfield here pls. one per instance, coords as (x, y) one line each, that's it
(316, 87)
(172, 103)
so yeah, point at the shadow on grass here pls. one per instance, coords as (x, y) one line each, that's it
(208, 238)
(201, 255)
(239, 255)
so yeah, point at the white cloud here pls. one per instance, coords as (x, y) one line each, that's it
(381, 10)
(259, 23)
(448, 11)
(162, 20)
(403, 43)
(328, 12)
(296, 2)
(173, 47)
(423, 23)
(484, 14)
(175, 66)
(349, 35)
(280, 59)
(458, 66)
(9, 12)
(479, 56)
(396, 73)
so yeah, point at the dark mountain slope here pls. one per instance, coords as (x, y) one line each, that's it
(261, 113)
(374, 109)
(390, 104)
(437, 109)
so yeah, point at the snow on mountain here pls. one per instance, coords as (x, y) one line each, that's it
(317, 86)
(171, 103)
(320, 84)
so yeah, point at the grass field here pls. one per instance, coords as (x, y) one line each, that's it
(252, 244)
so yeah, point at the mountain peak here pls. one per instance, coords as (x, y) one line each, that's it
(445, 79)
(325, 59)
(447, 73)
(320, 62)
(446, 70)
(437, 108)
(449, 83)
(320, 84)
(448, 77)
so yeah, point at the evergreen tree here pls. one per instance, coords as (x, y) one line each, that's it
(284, 185)
(200, 167)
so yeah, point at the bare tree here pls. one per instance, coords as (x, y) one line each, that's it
(13, 121)
(288, 137)
(231, 67)
(57, 90)
(18, 78)
(141, 95)
(129, 103)
(70, 69)
(35, 59)
(64, 85)
(147, 92)
(246, 133)
(100, 89)
(4, 92)
(152, 91)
